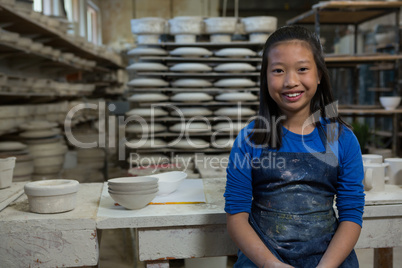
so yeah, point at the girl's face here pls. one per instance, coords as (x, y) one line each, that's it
(292, 76)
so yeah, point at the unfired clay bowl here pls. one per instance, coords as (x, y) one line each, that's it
(6, 171)
(52, 196)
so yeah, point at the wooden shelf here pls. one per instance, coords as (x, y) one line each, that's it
(199, 59)
(30, 59)
(26, 26)
(357, 111)
(331, 60)
(176, 89)
(346, 12)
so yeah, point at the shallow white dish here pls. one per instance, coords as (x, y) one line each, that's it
(169, 181)
(236, 96)
(133, 201)
(147, 66)
(235, 52)
(193, 127)
(146, 128)
(134, 191)
(187, 143)
(147, 112)
(191, 97)
(132, 181)
(147, 51)
(148, 82)
(148, 97)
(234, 82)
(229, 126)
(52, 196)
(390, 103)
(7, 146)
(188, 112)
(234, 67)
(190, 52)
(146, 143)
(191, 82)
(190, 67)
(234, 111)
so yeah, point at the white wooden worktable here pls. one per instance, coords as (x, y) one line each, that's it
(164, 231)
(199, 230)
(51, 240)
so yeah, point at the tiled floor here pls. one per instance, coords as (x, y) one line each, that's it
(116, 251)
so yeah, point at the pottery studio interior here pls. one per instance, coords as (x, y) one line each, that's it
(120, 125)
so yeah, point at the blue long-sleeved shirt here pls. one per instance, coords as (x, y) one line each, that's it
(350, 190)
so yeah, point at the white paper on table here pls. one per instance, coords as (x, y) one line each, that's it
(190, 191)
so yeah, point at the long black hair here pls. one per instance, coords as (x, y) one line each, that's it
(268, 128)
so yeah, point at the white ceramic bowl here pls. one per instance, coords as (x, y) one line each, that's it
(52, 196)
(260, 24)
(169, 181)
(220, 25)
(133, 201)
(134, 192)
(148, 25)
(133, 181)
(185, 25)
(390, 103)
(117, 188)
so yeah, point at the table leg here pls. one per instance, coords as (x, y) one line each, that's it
(157, 264)
(383, 257)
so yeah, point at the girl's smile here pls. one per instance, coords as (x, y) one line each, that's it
(292, 77)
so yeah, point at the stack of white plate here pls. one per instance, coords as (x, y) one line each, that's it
(133, 192)
(46, 146)
(24, 162)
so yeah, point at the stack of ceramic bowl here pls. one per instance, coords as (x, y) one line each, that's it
(259, 28)
(220, 29)
(133, 192)
(185, 29)
(46, 146)
(24, 165)
(148, 30)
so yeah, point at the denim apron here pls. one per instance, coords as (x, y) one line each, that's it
(292, 209)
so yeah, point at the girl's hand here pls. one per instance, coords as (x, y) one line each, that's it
(275, 264)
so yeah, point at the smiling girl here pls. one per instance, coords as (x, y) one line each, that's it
(283, 215)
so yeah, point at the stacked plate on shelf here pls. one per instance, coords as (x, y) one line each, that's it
(46, 146)
(24, 165)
